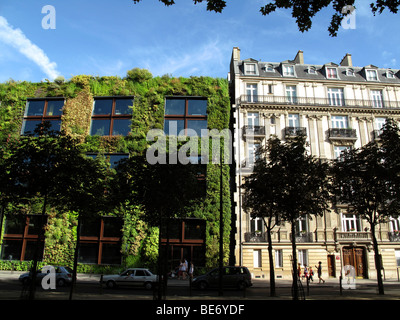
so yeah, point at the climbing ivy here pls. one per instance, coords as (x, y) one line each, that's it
(139, 241)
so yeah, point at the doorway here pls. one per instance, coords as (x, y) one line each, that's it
(331, 266)
(356, 257)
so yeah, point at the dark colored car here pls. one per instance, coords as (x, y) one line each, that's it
(63, 276)
(232, 277)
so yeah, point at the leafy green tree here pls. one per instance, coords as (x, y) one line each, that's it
(301, 190)
(164, 191)
(52, 167)
(367, 180)
(261, 191)
(304, 11)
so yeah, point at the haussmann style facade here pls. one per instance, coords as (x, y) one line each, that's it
(337, 106)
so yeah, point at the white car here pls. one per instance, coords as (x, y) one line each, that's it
(139, 277)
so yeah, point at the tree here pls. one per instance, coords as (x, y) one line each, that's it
(304, 11)
(164, 191)
(366, 179)
(261, 192)
(51, 167)
(302, 191)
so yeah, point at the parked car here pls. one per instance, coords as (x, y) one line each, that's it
(63, 276)
(139, 277)
(233, 277)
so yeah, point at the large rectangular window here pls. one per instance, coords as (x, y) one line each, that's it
(340, 122)
(377, 98)
(185, 116)
(100, 241)
(21, 236)
(335, 96)
(111, 116)
(39, 111)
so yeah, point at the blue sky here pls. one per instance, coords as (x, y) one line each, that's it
(106, 38)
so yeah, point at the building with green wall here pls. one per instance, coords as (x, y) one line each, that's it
(111, 116)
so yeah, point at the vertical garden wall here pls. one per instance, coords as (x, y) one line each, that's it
(139, 241)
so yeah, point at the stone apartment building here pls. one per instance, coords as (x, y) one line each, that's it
(337, 106)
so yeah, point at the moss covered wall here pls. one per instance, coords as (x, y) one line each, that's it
(139, 241)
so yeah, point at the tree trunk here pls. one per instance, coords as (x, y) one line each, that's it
(378, 265)
(294, 259)
(271, 263)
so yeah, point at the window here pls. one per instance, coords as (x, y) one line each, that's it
(288, 71)
(253, 120)
(338, 150)
(350, 72)
(390, 74)
(380, 122)
(111, 116)
(185, 116)
(256, 224)
(257, 258)
(301, 224)
(312, 70)
(294, 120)
(253, 147)
(372, 75)
(376, 96)
(40, 110)
(331, 73)
(251, 91)
(278, 259)
(350, 223)
(270, 68)
(250, 69)
(21, 235)
(394, 224)
(100, 241)
(340, 122)
(335, 96)
(397, 255)
(303, 257)
(291, 94)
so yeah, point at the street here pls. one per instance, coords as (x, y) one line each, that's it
(88, 288)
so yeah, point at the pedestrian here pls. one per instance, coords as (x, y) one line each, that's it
(319, 272)
(299, 270)
(191, 270)
(310, 274)
(305, 272)
(185, 269)
(181, 270)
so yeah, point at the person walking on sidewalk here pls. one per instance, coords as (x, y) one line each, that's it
(319, 272)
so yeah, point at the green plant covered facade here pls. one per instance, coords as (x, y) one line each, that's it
(139, 241)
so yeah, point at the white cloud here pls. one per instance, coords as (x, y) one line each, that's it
(17, 39)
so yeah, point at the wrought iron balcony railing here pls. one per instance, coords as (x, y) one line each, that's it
(255, 131)
(295, 131)
(394, 236)
(255, 236)
(342, 133)
(312, 101)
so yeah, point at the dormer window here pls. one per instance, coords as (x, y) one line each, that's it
(372, 75)
(390, 74)
(350, 72)
(312, 70)
(269, 68)
(331, 73)
(288, 71)
(250, 69)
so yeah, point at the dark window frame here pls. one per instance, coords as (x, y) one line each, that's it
(100, 239)
(44, 116)
(185, 116)
(112, 116)
(25, 236)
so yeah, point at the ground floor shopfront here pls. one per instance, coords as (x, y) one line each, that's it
(341, 260)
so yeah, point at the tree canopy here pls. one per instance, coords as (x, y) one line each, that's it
(305, 11)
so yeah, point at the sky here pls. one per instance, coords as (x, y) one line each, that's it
(108, 38)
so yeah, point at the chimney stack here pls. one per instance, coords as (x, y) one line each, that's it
(236, 54)
(299, 59)
(347, 61)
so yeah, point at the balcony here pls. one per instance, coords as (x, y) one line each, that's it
(321, 102)
(352, 236)
(256, 236)
(292, 132)
(303, 237)
(342, 134)
(394, 236)
(253, 132)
